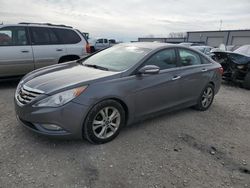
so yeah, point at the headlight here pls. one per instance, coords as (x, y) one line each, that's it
(60, 99)
(240, 66)
(18, 88)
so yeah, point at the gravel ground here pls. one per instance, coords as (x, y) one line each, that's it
(186, 148)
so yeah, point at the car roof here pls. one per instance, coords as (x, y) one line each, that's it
(151, 45)
(36, 25)
(202, 47)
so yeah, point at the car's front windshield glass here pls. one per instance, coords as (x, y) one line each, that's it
(117, 58)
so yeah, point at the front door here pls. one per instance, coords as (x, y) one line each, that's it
(16, 56)
(158, 91)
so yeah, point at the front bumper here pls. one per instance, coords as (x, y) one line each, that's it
(70, 117)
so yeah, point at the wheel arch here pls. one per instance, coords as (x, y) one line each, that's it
(212, 83)
(117, 99)
(70, 57)
(120, 101)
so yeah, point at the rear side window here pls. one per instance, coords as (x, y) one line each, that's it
(54, 39)
(67, 36)
(13, 36)
(188, 57)
(164, 59)
(40, 36)
(205, 60)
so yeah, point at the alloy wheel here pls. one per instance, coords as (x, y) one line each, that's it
(207, 97)
(106, 122)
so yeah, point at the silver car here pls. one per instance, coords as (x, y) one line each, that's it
(96, 96)
(25, 47)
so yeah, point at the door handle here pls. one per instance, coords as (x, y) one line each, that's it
(25, 51)
(176, 77)
(203, 70)
(59, 50)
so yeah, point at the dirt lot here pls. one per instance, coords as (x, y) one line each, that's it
(180, 149)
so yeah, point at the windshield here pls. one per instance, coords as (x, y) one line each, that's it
(244, 50)
(117, 58)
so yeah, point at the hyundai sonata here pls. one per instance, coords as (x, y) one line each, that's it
(96, 96)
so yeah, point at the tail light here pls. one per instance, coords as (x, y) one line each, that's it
(88, 48)
(221, 70)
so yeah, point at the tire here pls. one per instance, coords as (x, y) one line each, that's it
(99, 127)
(246, 83)
(206, 95)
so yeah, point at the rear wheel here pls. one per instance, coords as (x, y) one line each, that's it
(206, 98)
(246, 83)
(104, 121)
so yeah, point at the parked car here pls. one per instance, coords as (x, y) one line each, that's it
(96, 96)
(236, 65)
(100, 44)
(204, 49)
(190, 44)
(112, 42)
(25, 47)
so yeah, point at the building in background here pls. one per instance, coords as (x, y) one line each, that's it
(210, 38)
(167, 40)
(215, 38)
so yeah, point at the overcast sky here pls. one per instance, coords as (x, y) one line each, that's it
(129, 19)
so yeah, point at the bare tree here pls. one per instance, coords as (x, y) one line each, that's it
(149, 36)
(177, 35)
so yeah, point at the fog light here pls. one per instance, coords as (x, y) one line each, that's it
(51, 127)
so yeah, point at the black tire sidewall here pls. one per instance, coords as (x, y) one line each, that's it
(87, 128)
(246, 83)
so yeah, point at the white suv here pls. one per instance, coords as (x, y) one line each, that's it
(26, 46)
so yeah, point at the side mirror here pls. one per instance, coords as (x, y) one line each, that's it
(149, 69)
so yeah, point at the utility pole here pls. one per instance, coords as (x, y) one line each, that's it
(220, 25)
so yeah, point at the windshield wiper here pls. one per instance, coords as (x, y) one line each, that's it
(96, 66)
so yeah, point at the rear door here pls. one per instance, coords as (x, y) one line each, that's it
(15, 51)
(74, 43)
(195, 74)
(47, 47)
(158, 91)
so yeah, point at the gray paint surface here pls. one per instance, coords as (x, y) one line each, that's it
(142, 94)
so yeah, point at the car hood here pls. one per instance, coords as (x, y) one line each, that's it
(231, 57)
(58, 77)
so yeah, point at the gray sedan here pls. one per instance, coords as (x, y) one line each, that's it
(96, 96)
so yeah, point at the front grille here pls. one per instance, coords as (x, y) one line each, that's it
(26, 94)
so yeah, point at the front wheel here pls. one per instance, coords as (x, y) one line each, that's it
(104, 121)
(206, 98)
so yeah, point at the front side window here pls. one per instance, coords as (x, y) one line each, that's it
(13, 36)
(164, 59)
(188, 57)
